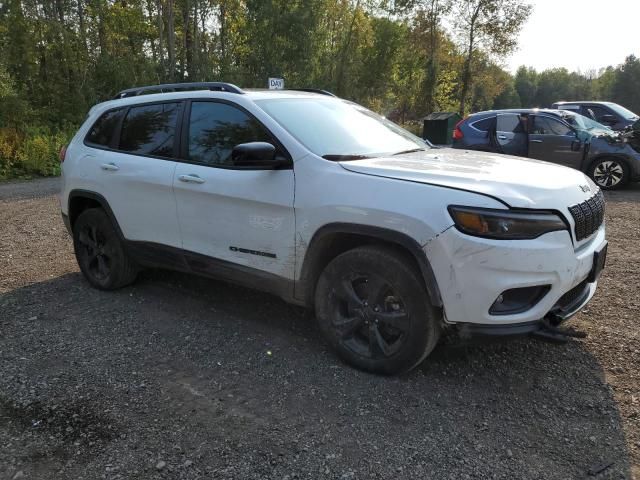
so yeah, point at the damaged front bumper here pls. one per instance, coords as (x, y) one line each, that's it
(474, 273)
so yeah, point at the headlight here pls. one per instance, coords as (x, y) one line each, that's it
(505, 224)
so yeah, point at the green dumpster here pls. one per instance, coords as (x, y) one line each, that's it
(437, 127)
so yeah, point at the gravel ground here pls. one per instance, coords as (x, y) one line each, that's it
(178, 377)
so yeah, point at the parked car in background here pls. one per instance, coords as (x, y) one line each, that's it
(607, 113)
(557, 136)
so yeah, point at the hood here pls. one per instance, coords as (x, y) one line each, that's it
(518, 182)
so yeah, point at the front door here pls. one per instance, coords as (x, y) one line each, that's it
(554, 141)
(232, 217)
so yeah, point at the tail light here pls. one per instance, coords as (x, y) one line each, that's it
(457, 133)
(62, 154)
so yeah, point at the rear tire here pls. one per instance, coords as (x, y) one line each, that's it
(609, 173)
(100, 252)
(374, 310)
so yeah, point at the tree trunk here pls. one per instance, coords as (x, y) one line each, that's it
(171, 40)
(466, 72)
(345, 49)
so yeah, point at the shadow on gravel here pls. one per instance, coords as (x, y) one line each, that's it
(222, 382)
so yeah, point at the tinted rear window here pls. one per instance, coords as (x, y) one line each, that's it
(102, 131)
(150, 129)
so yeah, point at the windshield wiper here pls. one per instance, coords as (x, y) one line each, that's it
(410, 151)
(338, 158)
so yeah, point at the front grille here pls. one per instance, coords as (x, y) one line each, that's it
(588, 215)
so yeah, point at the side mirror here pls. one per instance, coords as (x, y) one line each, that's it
(576, 145)
(255, 154)
(608, 119)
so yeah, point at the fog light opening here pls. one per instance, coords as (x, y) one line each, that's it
(518, 300)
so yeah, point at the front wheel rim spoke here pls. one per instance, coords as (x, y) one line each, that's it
(348, 294)
(378, 346)
(86, 240)
(376, 287)
(399, 320)
(346, 327)
(103, 269)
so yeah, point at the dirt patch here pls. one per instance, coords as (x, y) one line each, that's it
(180, 377)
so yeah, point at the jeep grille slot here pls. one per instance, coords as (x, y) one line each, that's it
(588, 215)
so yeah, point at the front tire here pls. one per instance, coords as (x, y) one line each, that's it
(609, 173)
(100, 252)
(373, 309)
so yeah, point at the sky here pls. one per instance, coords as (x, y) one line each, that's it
(578, 34)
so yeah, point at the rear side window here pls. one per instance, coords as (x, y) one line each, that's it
(510, 123)
(102, 131)
(484, 125)
(215, 128)
(150, 129)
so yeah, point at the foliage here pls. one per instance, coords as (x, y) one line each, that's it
(403, 58)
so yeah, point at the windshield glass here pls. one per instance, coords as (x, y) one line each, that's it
(623, 112)
(340, 130)
(581, 122)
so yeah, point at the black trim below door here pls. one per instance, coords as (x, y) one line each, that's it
(155, 255)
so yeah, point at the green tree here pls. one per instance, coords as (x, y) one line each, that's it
(490, 25)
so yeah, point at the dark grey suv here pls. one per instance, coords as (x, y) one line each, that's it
(607, 113)
(557, 136)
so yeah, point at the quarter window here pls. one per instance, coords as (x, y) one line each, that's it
(549, 126)
(102, 131)
(150, 129)
(484, 125)
(215, 128)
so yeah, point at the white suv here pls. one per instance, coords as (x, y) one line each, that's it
(327, 204)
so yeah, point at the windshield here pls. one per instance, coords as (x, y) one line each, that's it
(581, 122)
(340, 130)
(623, 112)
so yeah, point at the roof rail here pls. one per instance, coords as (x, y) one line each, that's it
(174, 87)
(313, 90)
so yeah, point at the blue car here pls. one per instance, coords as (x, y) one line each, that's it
(564, 137)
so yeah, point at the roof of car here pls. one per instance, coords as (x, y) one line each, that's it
(551, 111)
(582, 102)
(253, 94)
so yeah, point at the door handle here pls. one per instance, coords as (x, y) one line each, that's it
(110, 167)
(502, 137)
(192, 178)
(536, 141)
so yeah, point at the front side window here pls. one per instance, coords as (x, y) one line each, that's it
(549, 126)
(103, 129)
(339, 130)
(150, 129)
(215, 128)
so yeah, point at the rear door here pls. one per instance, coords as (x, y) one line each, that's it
(511, 135)
(232, 215)
(553, 140)
(134, 169)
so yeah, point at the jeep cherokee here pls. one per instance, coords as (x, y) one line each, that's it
(331, 206)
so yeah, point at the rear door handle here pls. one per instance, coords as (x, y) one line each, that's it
(502, 137)
(192, 178)
(536, 141)
(110, 167)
